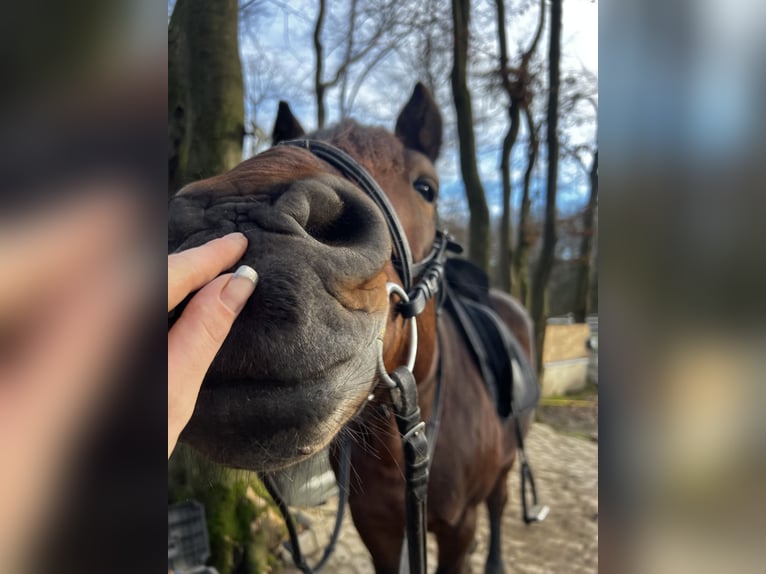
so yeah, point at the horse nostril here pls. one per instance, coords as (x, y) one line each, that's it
(345, 227)
(332, 212)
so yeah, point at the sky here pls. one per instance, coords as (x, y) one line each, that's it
(278, 61)
(287, 35)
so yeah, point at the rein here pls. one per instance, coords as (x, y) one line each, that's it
(418, 440)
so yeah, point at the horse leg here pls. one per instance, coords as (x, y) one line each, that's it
(385, 549)
(454, 542)
(380, 525)
(495, 505)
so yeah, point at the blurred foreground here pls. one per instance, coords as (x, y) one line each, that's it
(683, 318)
(82, 319)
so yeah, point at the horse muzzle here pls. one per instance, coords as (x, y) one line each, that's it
(302, 355)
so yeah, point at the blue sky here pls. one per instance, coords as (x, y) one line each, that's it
(278, 62)
(280, 43)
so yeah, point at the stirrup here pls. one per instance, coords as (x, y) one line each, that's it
(537, 513)
(534, 512)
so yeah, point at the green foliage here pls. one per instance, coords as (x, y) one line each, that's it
(230, 513)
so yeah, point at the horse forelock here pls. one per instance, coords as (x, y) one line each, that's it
(375, 148)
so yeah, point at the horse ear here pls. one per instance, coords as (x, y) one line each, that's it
(286, 127)
(419, 125)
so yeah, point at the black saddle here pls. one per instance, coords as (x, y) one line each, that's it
(494, 348)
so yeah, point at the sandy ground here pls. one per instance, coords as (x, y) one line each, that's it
(565, 464)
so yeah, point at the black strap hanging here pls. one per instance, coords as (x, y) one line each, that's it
(343, 486)
(413, 431)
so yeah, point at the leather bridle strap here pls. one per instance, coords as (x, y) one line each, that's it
(430, 274)
(344, 163)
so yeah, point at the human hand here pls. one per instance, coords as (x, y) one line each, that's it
(199, 332)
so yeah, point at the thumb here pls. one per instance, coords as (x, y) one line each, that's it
(196, 337)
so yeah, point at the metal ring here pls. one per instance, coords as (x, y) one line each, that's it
(401, 293)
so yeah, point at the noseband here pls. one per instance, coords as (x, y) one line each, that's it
(429, 276)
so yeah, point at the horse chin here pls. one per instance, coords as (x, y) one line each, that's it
(266, 425)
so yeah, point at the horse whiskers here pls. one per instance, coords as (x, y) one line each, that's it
(267, 452)
(355, 481)
(374, 425)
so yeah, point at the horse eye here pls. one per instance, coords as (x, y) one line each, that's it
(425, 189)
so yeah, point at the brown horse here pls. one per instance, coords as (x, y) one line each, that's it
(301, 361)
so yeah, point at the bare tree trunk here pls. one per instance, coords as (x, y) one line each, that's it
(319, 86)
(524, 241)
(520, 95)
(506, 248)
(477, 201)
(588, 286)
(586, 249)
(347, 57)
(205, 90)
(545, 265)
(593, 286)
(206, 128)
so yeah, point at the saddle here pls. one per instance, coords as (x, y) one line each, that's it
(510, 379)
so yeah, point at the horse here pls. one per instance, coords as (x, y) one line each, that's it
(302, 364)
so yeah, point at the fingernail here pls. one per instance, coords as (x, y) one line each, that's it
(237, 236)
(239, 288)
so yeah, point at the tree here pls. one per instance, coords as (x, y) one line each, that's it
(516, 83)
(525, 238)
(205, 91)
(585, 282)
(381, 18)
(544, 266)
(593, 284)
(319, 85)
(206, 127)
(578, 105)
(478, 248)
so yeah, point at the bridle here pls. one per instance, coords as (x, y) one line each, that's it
(421, 282)
(429, 271)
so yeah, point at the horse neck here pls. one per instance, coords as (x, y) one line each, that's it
(428, 345)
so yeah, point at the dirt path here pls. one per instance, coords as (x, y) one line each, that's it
(566, 473)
